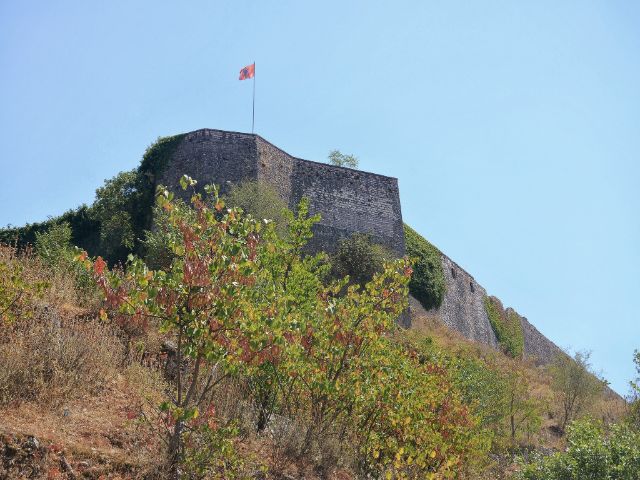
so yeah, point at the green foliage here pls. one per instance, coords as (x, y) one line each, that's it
(261, 201)
(635, 385)
(591, 454)
(116, 205)
(359, 258)
(154, 161)
(56, 251)
(634, 407)
(85, 230)
(419, 427)
(241, 301)
(427, 283)
(18, 292)
(481, 386)
(155, 247)
(575, 385)
(340, 159)
(210, 452)
(507, 327)
(124, 204)
(524, 410)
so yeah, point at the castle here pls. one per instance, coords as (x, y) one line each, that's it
(348, 201)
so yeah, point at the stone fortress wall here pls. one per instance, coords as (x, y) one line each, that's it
(348, 201)
(462, 309)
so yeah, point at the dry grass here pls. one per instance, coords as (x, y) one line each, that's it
(50, 359)
(97, 434)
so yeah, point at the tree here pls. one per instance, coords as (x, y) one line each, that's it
(635, 386)
(524, 411)
(575, 385)
(117, 207)
(634, 407)
(261, 201)
(340, 159)
(239, 300)
(359, 257)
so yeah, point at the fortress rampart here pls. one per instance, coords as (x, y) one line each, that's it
(348, 201)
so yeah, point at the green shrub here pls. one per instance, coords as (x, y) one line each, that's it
(339, 159)
(507, 327)
(261, 201)
(634, 407)
(85, 230)
(482, 387)
(241, 302)
(358, 257)
(591, 454)
(427, 283)
(55, 249)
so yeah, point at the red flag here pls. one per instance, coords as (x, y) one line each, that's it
(248, 72)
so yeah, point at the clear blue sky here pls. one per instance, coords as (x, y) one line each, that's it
(513, 127)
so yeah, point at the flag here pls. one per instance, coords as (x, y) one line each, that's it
(248, 72)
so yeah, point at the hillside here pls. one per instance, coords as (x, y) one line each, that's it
(233, 346)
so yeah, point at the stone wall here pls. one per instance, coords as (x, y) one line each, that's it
(536, 345)
(212, 156)
(348, 200)
(462, 308)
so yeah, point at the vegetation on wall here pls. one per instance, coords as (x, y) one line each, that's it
(427, 283)
(339, 159)
(506, 325)
(261, 201)
(359, 257)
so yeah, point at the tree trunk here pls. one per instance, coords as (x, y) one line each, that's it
(175, 450)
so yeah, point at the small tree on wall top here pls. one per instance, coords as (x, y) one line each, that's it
(339, 159)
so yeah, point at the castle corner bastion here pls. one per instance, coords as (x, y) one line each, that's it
(347, 200)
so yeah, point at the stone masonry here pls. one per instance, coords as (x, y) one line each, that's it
(463, 310)
(347, 200)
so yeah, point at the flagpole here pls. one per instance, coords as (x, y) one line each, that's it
(253, 105)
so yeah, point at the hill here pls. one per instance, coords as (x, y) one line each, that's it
(297, 387)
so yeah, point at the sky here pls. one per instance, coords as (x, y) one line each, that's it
(513, 127)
